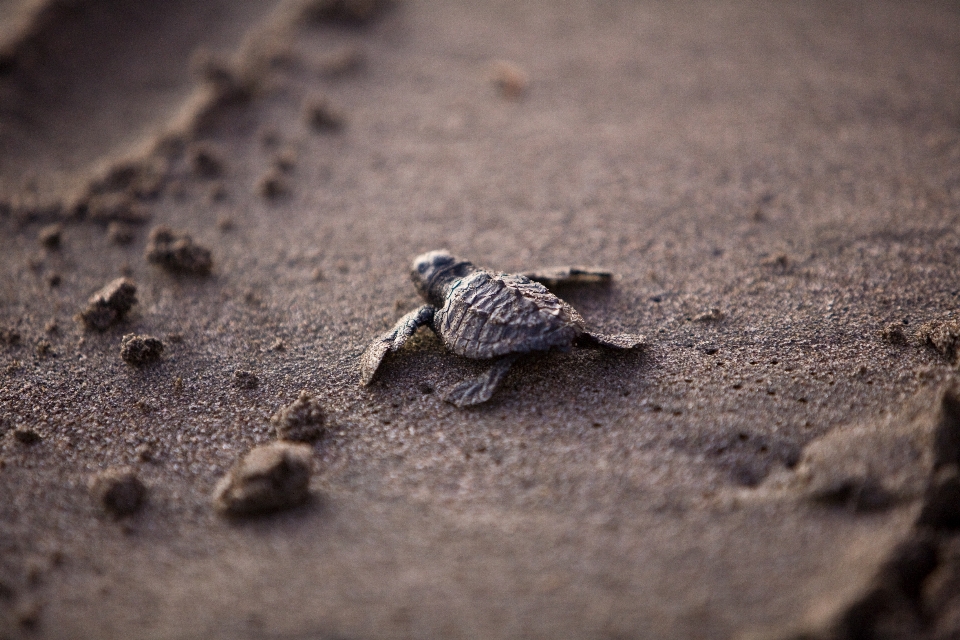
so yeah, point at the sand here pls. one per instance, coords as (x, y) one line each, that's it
(776, 191)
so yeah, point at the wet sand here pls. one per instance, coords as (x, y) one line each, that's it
(777, 191)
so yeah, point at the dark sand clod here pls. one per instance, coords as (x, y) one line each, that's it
(205, 161)
(759, 475)
(51, 235)
(177, 252)
(43, 348)
(26, 435)
(109, 305)
(140, 350)
(303, 420)
(10, 337)
(119, 492)
(273, 184)
(269, 478)
(285, 159)
(942, 335)
(894, 333)
(244, 379)
(27, 613)
(323, 117)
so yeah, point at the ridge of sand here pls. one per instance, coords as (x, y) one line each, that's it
(91, 89)
(752, 469)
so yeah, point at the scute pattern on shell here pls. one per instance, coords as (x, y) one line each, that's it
(488, 315)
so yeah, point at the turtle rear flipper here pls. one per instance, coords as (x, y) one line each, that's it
(559, 276)
(393, 340)
(619, 341)
(479, 389)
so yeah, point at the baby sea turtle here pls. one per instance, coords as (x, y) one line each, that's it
(493, 316)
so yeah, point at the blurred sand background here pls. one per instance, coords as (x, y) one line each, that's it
(777, 189)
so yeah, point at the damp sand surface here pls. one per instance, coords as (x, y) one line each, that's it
(777, 194)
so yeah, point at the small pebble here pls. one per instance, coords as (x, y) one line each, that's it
(943, 336)
(269, 478)
(205, 161)
(303, 420)
(27, 613)
(27, 436)
(894, 333)
(245, 379)
(140, 350)
(144, 453)
(119, 492)
(10, 337)
(285, 160)
(109, 305)
(273, 184)
(44, 348)
(51, 236)
(217, 193)
(322, 117)
(177, 252)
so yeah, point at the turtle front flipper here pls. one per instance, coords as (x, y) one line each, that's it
(620, 341)
(393, 340)
(552, 277)
(479, 389)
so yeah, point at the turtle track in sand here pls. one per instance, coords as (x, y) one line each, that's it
(86, 86)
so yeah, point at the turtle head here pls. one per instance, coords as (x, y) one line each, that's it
(434, 272)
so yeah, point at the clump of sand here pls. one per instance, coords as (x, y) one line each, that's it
(944, 336)
(177, 252)
(243, 379)
(119, 492)
(322, 116)
(269, 478)
(303, 420)
(109, 305)
(140, 350)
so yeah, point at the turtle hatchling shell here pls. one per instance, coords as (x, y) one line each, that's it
(486, 315)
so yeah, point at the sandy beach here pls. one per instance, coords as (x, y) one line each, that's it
(775, 189)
